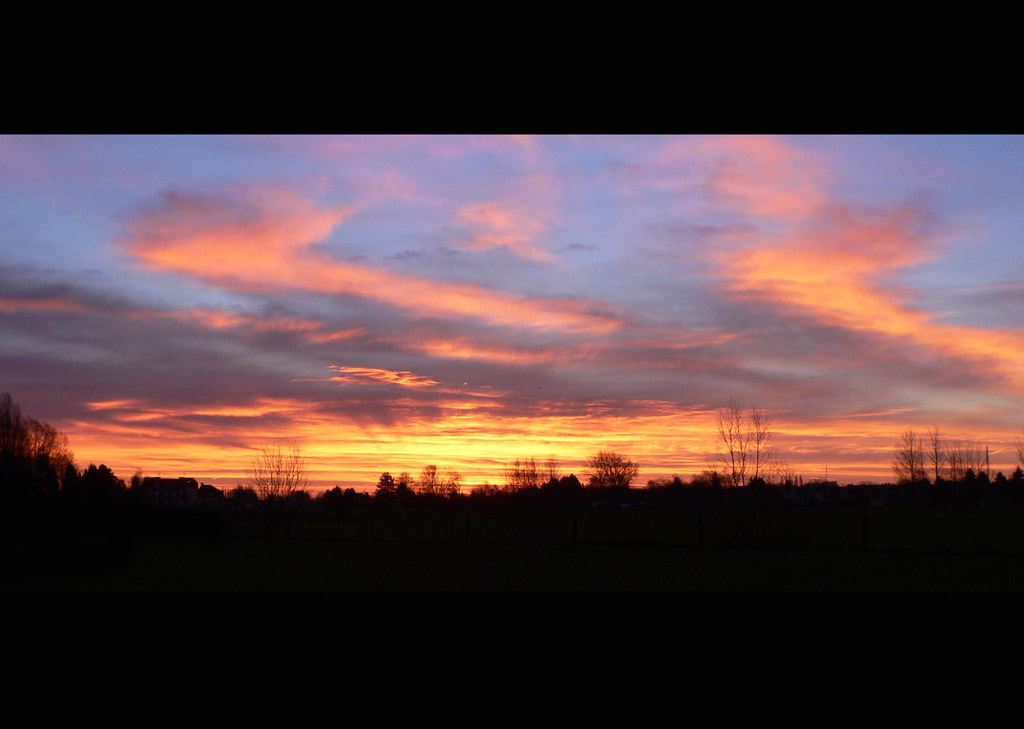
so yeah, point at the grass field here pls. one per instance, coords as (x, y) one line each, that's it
(802, 549)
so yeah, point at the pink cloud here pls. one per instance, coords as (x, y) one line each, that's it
(496, 224)
(764, 176)
(262, 239)
(220, 320)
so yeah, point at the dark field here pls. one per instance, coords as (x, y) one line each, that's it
(777, 550)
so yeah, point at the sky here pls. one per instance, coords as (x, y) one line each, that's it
(172, 303)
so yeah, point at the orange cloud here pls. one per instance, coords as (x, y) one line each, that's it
(374, 375)
(405, 378)
(131, 409)
(112, 404)
(834, 267)
(264, 242)
(11, 306)
(835, 263)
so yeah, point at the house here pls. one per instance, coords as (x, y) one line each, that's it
(210, 496)
(170, 492)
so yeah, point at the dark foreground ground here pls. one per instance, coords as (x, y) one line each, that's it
(798, 550)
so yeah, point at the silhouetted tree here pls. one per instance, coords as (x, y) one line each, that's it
(12, 427)
(734, 443)
(936, 451)
(386, 487)
(430, 482)
(761, 442)
(522, 475)
(404, 485)
(908, 463)
(301, 497)
(95, 486)
(337, 500)
(276, 471)
(242, 496)
(785, 475)
(33, 455)
(69, 479)
(552, 469)
(745, 443)
(453, 483)
(963, 456)
(136, 479)
(564, 492)
(484, 490)
(608, 469)
(709, 478)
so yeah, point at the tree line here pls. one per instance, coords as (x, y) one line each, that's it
(36, 463)
(604, 470)
(35, 458)
(917, 457)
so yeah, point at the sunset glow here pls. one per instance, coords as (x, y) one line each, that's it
(172, 303)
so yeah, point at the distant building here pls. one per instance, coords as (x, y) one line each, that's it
(170, 492)
(210, 496)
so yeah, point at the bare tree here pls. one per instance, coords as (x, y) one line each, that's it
(783, 474)
(908, 463)
(12, 427)
(760, 441)
(404, 484)
(39, 446)
(975, 457)
(955, 460)
(964, 456)
(522, 475)
(452, 485)
(745, 444)
(1020, 449)
(552, 469)
(432, 483)
(734, 443)
(936, 450)
(277, 471)
(607, 469)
